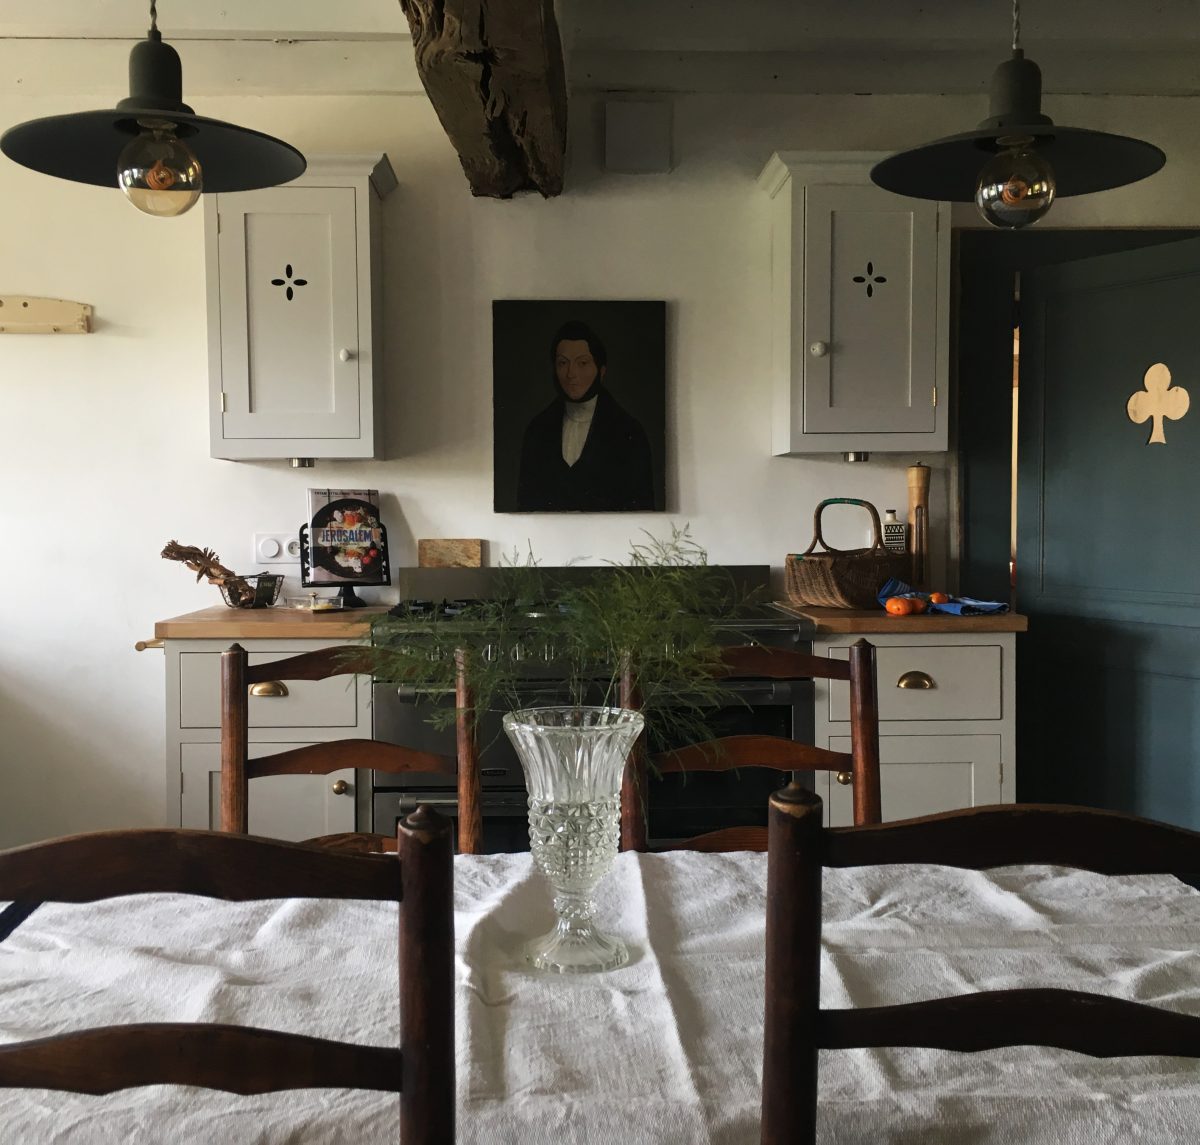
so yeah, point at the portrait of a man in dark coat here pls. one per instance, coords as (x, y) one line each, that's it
(584, 450)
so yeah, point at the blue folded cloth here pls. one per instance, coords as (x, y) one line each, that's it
(955, 606)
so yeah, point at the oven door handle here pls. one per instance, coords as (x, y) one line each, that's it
(763, 691)
(407, 694)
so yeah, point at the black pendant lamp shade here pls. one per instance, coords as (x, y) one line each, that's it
(85, 146)
(1083, 161)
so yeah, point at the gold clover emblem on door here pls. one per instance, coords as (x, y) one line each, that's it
(1156, 401)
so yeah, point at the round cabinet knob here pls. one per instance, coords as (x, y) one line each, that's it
(818, 349)
(845, 778)
(345, 355)
(340, 787)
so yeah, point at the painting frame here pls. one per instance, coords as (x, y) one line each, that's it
(579, 405)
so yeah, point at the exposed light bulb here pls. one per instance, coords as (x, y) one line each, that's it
(158, 172)
(1016, 186)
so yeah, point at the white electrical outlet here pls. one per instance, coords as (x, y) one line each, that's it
(276, 549)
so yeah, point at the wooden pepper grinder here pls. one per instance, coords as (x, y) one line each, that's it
(918, 521)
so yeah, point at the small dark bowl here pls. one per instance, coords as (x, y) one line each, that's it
(258, 590)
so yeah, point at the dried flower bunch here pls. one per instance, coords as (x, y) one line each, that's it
(206, 563)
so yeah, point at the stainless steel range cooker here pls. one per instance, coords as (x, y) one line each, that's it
(680, 805)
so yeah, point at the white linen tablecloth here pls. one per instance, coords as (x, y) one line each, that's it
(665, 1051)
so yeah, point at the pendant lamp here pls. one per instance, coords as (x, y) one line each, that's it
(1017, 161)
(152, 145)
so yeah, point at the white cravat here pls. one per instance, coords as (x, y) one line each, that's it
(577, 420)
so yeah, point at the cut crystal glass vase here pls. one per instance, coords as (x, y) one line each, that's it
(573, 758)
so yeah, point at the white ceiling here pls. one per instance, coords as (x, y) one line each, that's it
(876, 46)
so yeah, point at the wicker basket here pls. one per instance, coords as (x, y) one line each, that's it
(842, 578)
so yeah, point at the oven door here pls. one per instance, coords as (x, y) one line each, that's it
(681, 805)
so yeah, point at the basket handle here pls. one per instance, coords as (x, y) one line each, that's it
(877, 543)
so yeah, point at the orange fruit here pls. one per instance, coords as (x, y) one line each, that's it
(938, 598)
(918, 605)
(899, 605)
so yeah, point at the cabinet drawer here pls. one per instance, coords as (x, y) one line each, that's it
(308, 704)
(966, 679)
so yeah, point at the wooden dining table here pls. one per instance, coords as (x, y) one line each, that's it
(664, 1051)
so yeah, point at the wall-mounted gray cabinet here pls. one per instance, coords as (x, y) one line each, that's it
(293, 293)
(860, 284)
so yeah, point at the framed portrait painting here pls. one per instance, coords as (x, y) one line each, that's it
(579, 406)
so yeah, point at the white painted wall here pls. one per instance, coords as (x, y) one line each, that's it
(104, 453)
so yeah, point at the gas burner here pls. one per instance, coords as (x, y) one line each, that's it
(427, 609)
(412, 609)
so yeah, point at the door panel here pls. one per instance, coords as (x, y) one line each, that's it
(293, 807)
(289, 308)
(1107, 552)
(922, 775)
(869, 273)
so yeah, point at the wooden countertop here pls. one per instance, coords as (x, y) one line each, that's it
(222, 623)
(874, 621)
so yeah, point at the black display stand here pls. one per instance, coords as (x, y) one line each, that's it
(379, 575)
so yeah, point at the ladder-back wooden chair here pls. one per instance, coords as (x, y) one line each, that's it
(859, 766)
(246, 1059)
(238, 676)
(796, 1027)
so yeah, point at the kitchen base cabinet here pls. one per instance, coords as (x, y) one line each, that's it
(282, 807)
(947, 722)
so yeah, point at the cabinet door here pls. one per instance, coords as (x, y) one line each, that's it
(281, 807)
(289, 342)
(921, 775)
(870, 312)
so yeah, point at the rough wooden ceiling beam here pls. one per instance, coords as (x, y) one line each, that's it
(494, 72)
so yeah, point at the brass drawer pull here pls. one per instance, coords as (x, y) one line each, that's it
(916, 680)
(340, 787)
(269, 688)
(845, 778)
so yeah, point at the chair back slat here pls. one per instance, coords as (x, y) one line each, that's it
(334, 755)
(236, 1059)
(724, 840)
(345, 659)
(237, 868)
(780, 663)
(751, 751)
(1108, 842)
(1092, 1024)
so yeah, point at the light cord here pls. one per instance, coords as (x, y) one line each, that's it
(1016, 43)
(153, 16)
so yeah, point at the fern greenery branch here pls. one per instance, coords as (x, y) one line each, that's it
(650, 616)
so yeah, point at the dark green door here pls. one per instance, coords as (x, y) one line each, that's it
(1108, 533)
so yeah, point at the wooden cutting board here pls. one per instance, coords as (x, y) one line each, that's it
(449, 553)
